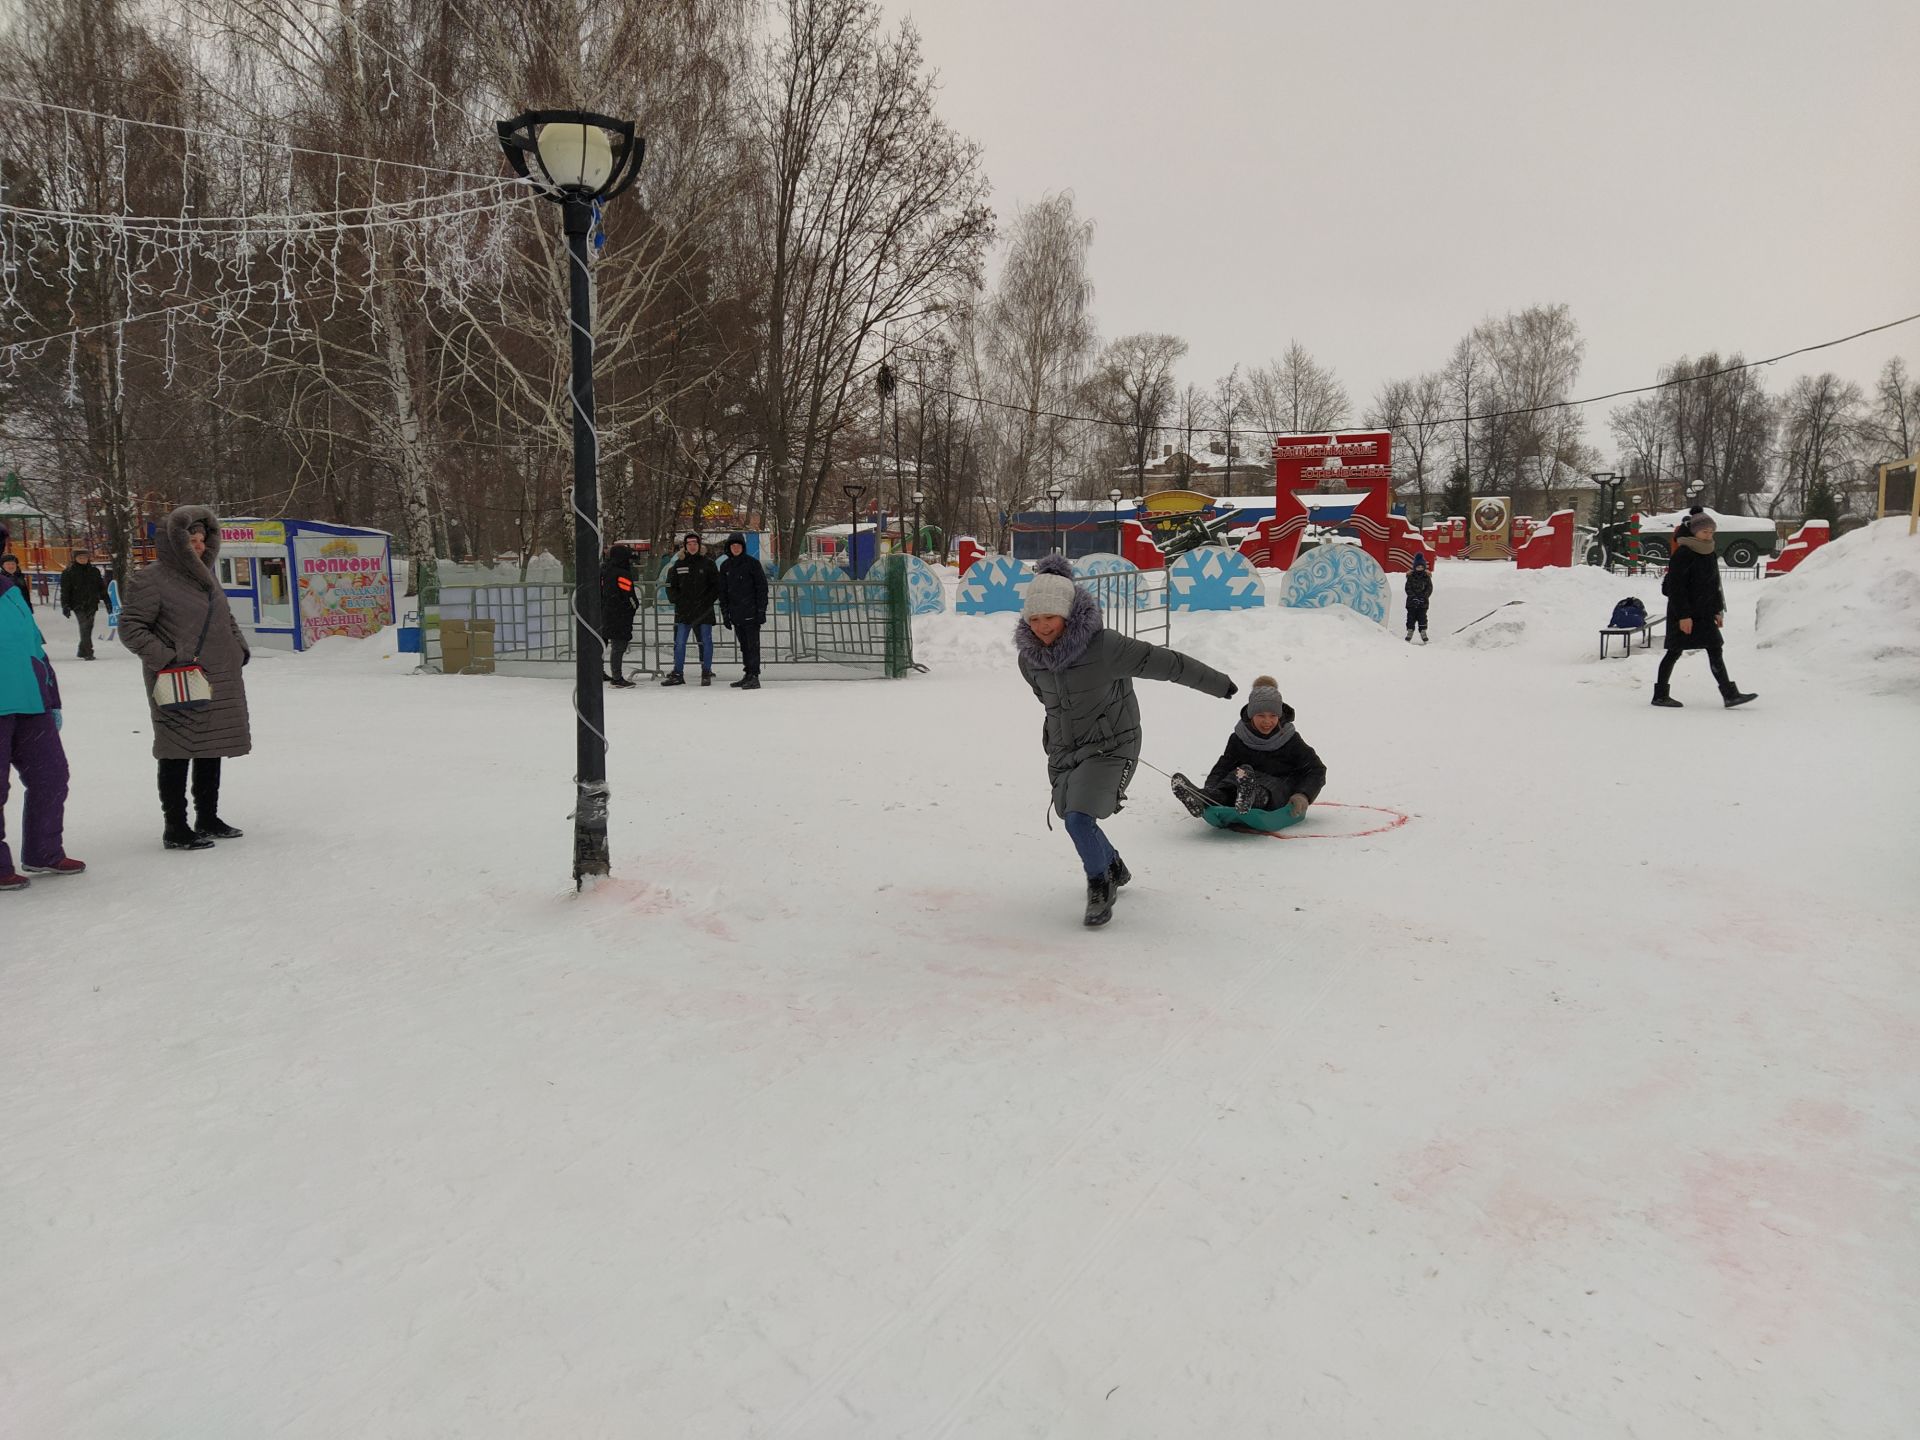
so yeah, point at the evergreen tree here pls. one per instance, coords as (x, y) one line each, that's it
(1822, 503)
(1457, 498)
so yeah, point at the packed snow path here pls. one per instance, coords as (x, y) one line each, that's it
(1582, 1105)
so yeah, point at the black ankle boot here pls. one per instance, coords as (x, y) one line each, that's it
(212, 827)
(1664, 700)
(179, 836)
(1731, 695)
(1117, 873)
(1099, 900)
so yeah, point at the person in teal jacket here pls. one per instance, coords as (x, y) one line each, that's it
(30, 742)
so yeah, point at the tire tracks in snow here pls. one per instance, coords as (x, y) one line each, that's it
(944, 1286)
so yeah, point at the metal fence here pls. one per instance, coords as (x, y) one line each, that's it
(1133, 602)
(835, 627)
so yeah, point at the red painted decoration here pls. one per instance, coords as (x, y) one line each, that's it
(966, 551)
(1138, 545)
(1353, 460)
(1807, 539)
(1547, 544)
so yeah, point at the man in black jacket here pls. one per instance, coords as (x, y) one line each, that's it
(618, 601)
(743, 605)
(1696, 608)
(81, 591)
(1419, 593)
(693, 585)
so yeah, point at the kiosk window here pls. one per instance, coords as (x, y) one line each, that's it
(242, 573)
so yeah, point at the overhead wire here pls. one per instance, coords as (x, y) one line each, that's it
(1667, 384)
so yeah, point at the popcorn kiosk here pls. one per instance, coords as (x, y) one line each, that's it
(292, 583)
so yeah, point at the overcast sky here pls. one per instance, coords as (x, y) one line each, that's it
(1375, 178)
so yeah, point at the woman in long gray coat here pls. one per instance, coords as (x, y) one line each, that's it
(1084, 673)
(169, 606)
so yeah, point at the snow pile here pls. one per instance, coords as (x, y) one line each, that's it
(1852, 609)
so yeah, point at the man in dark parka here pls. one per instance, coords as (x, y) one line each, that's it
(693, 585)
(618, 602)
(743, 605)
(82, 592)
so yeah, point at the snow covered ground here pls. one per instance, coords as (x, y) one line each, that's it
(1583, 1104)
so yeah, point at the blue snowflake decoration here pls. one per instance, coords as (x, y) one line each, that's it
(1214, 578)
(996, 585)
(1338, 575)
(1110, 585)
(926, 595)
(812, 587)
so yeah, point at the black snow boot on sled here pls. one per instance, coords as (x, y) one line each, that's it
(1099, 899)
(1192, 796)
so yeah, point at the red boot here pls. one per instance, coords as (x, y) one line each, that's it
(65, 865)
(14, 880)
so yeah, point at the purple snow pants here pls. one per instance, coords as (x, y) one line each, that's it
(30, 744)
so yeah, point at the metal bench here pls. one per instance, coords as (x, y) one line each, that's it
(1626, 634)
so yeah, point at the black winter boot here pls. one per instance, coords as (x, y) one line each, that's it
(183, 837)
(1099, 900)
(1117, 873)
(1732, 695)
(1249, 793)
(676, 678)
(752, 682)
(206, 803)
(1191, 796)
(706, 677)
(1664, 700)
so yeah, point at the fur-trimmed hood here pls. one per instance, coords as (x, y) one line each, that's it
(1083, 623)
(174, 550)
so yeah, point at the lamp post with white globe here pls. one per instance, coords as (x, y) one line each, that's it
(578, 159)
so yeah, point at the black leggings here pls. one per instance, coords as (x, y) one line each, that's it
(1715, 660)
(173, 789)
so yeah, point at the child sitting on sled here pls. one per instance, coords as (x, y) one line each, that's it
(1266, 766)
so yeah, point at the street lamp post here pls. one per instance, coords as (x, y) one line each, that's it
(853, 494)
(1115, 495)
(579, 159)
(1053, 498)
(919, 498)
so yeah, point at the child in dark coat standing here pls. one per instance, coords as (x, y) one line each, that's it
(1266, 763)
(1696, 609)
(1419, 592)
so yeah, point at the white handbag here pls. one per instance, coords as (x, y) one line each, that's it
(185, 687)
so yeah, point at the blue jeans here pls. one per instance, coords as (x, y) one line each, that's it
(680, 633)
(1096, 851)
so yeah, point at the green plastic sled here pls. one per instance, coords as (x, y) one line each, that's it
(1253, 822)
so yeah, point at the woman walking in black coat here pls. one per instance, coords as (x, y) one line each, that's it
(1696, 608)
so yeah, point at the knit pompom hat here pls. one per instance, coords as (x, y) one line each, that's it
(1264, 697)
(1049, 595)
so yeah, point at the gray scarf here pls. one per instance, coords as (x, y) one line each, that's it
(1254, 740)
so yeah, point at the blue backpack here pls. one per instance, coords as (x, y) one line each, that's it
(1629, 614)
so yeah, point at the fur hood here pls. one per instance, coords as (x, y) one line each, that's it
(1083, 623)
(175, 551)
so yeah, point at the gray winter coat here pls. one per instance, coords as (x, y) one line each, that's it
(1092, 729)
(160, 620)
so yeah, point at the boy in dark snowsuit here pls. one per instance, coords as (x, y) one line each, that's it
(618, 602)
(1266, 763)
(1419, 592)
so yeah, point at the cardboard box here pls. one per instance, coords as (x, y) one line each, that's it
(466, 647)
